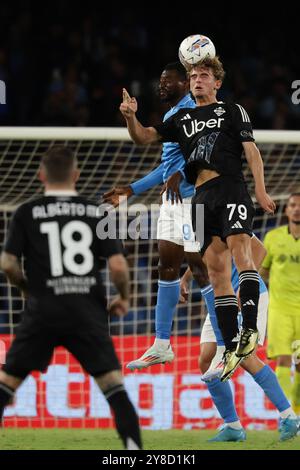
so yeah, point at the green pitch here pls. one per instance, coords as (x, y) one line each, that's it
(88, 439)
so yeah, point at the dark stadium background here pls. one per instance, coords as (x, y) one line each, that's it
(65, 63)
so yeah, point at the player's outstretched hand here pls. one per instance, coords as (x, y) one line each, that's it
(118, 306)
(266, 202)
(115, 195)
(171, 187)
(128, 106)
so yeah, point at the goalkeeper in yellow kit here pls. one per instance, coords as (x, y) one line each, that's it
(282, 267)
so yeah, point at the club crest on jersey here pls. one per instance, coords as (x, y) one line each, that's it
(195, 126)
(219, 111)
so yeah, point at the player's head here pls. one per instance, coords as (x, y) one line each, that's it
(59, 167)
(207, 77)
(173, 83)
(292, 210)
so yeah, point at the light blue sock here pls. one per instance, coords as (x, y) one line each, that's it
(167, 299)
(208, 295)
(223, 399)
(267, 380)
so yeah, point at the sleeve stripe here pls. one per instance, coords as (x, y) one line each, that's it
(243, 113)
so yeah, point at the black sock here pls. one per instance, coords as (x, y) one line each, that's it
(249, 295)
(126, 419)
(6, 393)
(226, 307)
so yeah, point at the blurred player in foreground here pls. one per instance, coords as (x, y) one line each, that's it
(281, 267)
(213, 137)
(66, 305)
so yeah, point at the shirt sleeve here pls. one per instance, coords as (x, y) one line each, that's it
(242, 123)
(16, 237)
(168, 130)
(269, 257)
(153, 178)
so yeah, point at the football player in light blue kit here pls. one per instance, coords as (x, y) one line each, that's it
(211, 364)
(174, 230)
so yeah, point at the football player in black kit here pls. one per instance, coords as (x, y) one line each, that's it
(213, 137)
(66, 305)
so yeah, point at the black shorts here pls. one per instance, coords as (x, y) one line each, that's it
(79, 323)
(228, 208)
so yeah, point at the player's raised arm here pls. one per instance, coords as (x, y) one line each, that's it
(257, 168)
(138, 133)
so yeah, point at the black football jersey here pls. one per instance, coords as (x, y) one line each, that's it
(210, 137)
(57, 237)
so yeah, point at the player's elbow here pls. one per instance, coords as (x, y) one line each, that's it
(264, 273)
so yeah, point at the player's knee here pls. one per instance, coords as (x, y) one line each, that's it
(284, 361)
(168, 273)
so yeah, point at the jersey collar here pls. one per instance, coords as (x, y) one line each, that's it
(61, 192)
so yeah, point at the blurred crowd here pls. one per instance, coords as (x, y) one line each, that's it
(65, 65)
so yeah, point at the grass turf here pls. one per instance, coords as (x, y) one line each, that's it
(88, 439)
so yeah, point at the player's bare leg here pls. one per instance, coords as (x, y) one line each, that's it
(221, 393)
(8, 386)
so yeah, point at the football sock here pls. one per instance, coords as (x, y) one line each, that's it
(126, 419)
(267, 380)
(226, 308)
(223, 399)
(249, 295)
(161, 344)
(284, 378)
(209, 298)
(167, 300)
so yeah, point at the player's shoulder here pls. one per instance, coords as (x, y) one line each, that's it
(189, 102)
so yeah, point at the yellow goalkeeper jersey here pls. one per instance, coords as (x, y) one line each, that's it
(283, 261)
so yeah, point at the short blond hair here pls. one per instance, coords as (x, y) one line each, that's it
(214, 64)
